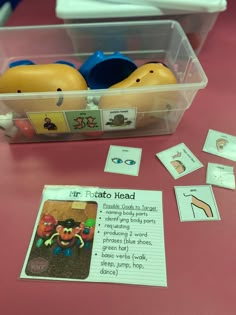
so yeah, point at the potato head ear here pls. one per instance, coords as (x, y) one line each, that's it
(58, 228)
(77, 229)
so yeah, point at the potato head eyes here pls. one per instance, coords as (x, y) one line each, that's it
(47, 223)
(67, 231)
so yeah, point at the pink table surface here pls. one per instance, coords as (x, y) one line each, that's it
(201, 256)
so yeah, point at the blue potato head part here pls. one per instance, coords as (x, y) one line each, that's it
(101, 71)
(23, 62)
(26, 62)
(64, 62)
(91, 62)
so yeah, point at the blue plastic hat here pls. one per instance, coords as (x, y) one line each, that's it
(102, 71)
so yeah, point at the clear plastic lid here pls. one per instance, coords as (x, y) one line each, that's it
(183, 5)
(89, 9)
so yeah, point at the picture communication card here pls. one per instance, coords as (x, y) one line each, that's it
(179, 160)
(220, 144)
(95, 234)
(220, 175)
(123, 160)
(196, 203)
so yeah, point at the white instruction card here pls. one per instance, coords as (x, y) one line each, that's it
(93, 234)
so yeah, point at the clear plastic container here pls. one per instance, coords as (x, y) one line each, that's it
(197, 17)
(22, 115)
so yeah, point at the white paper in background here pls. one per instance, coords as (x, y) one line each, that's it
(220, 175)
(123, 160)
(196, 203)
(127, 244)
(179, 160)
(220, 144)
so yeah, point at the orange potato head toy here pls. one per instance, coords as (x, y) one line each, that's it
(151, 105)
(43, 78)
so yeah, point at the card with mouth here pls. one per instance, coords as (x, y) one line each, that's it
(179, 160)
